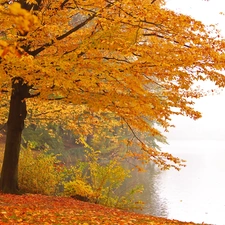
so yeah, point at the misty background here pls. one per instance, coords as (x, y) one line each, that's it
(210, 126)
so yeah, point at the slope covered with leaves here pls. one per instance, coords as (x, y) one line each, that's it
(39, 209)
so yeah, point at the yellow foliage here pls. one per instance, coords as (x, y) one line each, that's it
(32, 2)
(37, 174)
(134, 60)
(23, 19)
(78, 187)
(101, 182)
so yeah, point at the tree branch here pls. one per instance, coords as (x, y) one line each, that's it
(63, 4)
(132, 131)
(153, 1)
(40, 49)
(61, 37)
(163, 37)
(4, 91)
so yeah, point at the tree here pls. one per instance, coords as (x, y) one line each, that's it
(133, 59)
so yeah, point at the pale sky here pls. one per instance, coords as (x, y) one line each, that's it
(206, 11)
(212, 125)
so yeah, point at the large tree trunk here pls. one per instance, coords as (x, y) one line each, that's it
(15, 125)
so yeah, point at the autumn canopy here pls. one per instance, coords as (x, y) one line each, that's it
(134, 60)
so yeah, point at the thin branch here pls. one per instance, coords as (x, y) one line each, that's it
(163, 37)
(132, 131)
(153, 1)
(148, 78)
(119, 60)
(63, 4)
(40, 49)
(45, 113)
(61, 37)
(135, 136)
(4, 91)
(57, 98)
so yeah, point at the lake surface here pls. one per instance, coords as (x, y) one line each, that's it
(197, 192)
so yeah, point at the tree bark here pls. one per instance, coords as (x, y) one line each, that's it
(15, 125)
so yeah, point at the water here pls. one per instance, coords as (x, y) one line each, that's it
(197, 192)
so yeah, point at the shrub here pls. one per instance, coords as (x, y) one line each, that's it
(101, 182)
(38, 174)
(79, 189)
(93, 180)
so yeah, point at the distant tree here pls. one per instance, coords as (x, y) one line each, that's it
(133, 59)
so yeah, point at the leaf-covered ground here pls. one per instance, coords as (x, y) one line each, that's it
(39, 209)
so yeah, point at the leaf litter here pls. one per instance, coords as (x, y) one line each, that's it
(41, 209)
